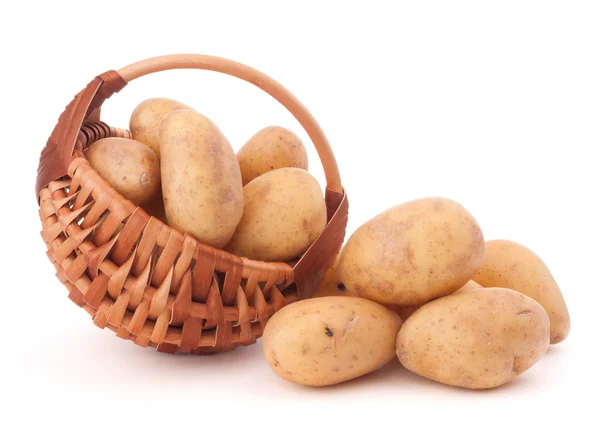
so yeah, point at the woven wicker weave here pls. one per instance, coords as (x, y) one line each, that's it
(142, 279)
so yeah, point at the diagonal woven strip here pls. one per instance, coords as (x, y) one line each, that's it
(140, 278)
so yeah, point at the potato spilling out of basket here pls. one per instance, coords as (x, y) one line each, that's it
(419, 281)
(261, 204)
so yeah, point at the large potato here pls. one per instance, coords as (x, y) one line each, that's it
(272, 148)
(477, 339)
(511, 265)
(407, 311)
(413, 253)
(128, 166)
(201, 180)
(284, 213)
(328, 340)
(147, 117)
(331, 284)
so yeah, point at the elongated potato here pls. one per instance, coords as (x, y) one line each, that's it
(271, 148)
(476, 339)
(413, 253)
(511, 265)
(328, 340)
(128, 166)
(147, 117)
(201, 179)
(284, 213)
(407, 311)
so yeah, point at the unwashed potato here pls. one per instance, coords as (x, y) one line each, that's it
(407, 311)
(201, 179)
(284, 213)
(331, 284)
(328, 340)
(511, 265)
(413, 253)
(128, 166)
(271, 148)
(477, 339)
(147, 117)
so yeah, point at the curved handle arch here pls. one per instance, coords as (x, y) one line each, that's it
(257, 78)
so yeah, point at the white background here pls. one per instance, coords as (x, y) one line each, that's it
(494, 104)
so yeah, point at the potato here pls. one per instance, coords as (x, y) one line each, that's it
(413, 253)
(407, 311)
(128, 166)
(477, 339)
(328, 340)
(272, 148)
(146, 119)
(511, 265)
(331, 284)
(201, 179)
(284, 212)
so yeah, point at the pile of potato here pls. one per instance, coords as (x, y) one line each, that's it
(261, 203)
(419, 282)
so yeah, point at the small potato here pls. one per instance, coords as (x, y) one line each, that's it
(511, 265)
(128, 166)
(147, 117)
(477, 339)
(329, 340)
(332, 285)
(407, 311)
(413, 253)
(201, 179)
(272, 148)
(284, 213)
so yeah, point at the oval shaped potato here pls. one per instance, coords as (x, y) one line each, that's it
(271, 148)
(477, 339)
(201, 180)
(331, 284)
(511, 265)
(284, 212)
(128, 166)
(406, 311)
(147, 117)
(413, 253)
(329, 340)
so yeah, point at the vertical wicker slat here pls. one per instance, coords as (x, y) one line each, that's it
(140, 278)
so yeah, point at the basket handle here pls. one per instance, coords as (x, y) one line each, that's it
(257, 78)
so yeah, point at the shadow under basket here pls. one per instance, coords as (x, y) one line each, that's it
(144, 280)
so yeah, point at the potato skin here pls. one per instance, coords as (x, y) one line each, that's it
(407, 311)
(511, 265)
(477, 339)
(413, 253)
(329, 340)
(147, 117)
(271, 148)
(128, 166)
(284, 212)
(201, 179)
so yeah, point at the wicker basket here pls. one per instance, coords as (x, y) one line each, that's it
(142, 279)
